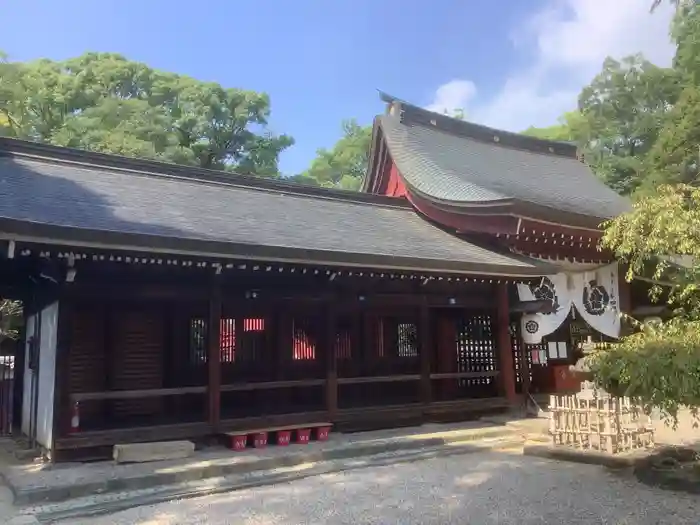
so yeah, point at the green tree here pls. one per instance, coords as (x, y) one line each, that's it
(570, 127)
(660, 364)
(104, 102)
(675, 156)
(345, 164)
(623, 110)
(685, 30)
(129, 127)
(10, 319)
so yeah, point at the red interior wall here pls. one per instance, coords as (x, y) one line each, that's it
(394, 186)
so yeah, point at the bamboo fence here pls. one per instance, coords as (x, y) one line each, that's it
(594, 420)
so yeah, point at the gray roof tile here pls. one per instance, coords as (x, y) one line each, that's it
(101, 199)
(457, 168)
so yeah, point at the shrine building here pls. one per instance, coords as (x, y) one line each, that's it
(171, 302)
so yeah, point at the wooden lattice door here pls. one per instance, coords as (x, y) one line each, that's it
(476, 351)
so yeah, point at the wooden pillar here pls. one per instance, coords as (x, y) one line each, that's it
(505, 350)
(369, 333)
(282, 343)
(214, 358)
(331, 364)
(426, 349)
(524, 367)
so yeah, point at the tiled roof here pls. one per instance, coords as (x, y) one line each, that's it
(464, 163)
(239, 219)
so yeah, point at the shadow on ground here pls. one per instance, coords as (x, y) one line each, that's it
(479, 488)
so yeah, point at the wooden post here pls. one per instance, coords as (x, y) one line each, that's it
(426, 348)
(214, 358)
(331, 364)
(505, 350)
(282, 341)
(524, 366)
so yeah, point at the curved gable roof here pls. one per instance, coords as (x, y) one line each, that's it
(459, 169)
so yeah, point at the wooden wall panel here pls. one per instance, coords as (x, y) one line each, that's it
(87, 364)
(138, 341)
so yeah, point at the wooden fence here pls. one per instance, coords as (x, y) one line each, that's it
(594, 420)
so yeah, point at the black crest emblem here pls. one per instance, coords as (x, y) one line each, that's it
(596, 298)
(546, 291)
(531, 327)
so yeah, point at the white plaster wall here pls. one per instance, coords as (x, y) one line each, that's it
(47, 376)
(27, 386)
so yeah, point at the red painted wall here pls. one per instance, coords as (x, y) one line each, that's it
(394, 186)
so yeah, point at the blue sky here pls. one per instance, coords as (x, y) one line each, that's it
(509, 63)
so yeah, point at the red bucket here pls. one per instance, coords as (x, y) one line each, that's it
(260, 439)
(284, 437)
(303, 435)
(322, 433)
(239, 442)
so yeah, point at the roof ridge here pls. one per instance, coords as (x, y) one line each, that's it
(179, 172)
(412, 114)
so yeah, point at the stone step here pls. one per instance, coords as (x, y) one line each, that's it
(156, 451)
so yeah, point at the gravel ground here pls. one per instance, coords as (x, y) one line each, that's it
(475, 489)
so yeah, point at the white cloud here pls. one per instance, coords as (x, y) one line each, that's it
(571, 39)
(455, 94)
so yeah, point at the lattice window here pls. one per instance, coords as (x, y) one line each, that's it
(343, 344)
(252, 340)
(304, 341)
(227, 340)
(476, 348)
(516, 345)
(198, 341)
(407, 340)
(344, 338)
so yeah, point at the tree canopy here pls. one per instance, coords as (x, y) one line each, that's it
(344, 165)
(10, 319)
(660, 363)
(568, 129)
(659, 239)
(104, 102)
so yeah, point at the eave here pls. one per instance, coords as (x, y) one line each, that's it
(43, 234)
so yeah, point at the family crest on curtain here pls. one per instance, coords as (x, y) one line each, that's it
(594, 294)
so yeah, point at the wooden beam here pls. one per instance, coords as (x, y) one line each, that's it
(269, 385)
(214, 358)
(503, 341)
(425, 349)
(137, 394)
(464, 375)
(378, 379)
(331, 363)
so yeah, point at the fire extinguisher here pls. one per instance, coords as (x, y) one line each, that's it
(75, 418)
